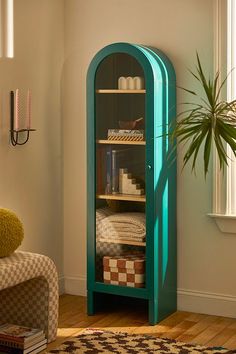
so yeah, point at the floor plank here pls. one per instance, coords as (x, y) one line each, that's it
(182, 326)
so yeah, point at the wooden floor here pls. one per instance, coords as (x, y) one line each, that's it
(182, 326)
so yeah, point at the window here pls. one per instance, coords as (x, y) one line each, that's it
(224, 186)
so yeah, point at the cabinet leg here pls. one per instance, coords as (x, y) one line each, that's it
(153, 312)
(90, 303)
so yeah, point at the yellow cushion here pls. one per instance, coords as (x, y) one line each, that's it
(11, 232)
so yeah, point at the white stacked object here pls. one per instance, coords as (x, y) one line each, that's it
(128, 184)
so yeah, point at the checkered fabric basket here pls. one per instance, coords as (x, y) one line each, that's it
(128, 270)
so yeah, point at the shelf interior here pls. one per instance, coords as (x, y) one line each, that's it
(112, 104)
(120, 164)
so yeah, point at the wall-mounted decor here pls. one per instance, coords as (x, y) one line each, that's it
(20, 128)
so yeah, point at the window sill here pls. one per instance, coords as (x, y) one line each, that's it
(225, 223)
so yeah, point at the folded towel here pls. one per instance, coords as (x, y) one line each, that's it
(120, 226)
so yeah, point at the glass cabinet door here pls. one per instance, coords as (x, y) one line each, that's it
(120, 172)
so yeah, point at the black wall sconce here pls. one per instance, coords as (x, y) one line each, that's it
(19, 136)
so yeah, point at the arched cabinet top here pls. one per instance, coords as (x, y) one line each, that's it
(155, 64)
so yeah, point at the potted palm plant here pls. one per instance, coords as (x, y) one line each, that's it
(209, 123)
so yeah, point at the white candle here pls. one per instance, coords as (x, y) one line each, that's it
(28, 110)
(16, 125)
(138, 82)
(130, 83)
(122, 83)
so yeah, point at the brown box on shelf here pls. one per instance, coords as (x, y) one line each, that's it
(128, 270)
(125, 135)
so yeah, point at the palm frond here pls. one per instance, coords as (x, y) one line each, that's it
(209, 122)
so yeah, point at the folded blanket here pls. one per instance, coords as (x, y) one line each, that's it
(120, 226)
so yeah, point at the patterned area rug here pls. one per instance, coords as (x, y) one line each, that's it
(94, 341)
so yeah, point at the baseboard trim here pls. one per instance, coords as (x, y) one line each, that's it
(75, 285)
(188, 300)
(207, 303)
(61, 284)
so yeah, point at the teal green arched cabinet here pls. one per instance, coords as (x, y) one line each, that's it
(122, 106)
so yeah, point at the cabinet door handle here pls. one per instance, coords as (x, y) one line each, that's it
(149, 167)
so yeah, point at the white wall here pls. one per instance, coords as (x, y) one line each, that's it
(206, 258)
(31, 175)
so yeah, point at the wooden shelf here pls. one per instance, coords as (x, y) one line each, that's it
(124, 242)
(119, 91)
(127, 197)
(121, 142)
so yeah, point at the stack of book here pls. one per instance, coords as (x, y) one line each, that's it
(16, 339)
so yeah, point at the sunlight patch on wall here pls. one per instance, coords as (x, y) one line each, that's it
(6, 28)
